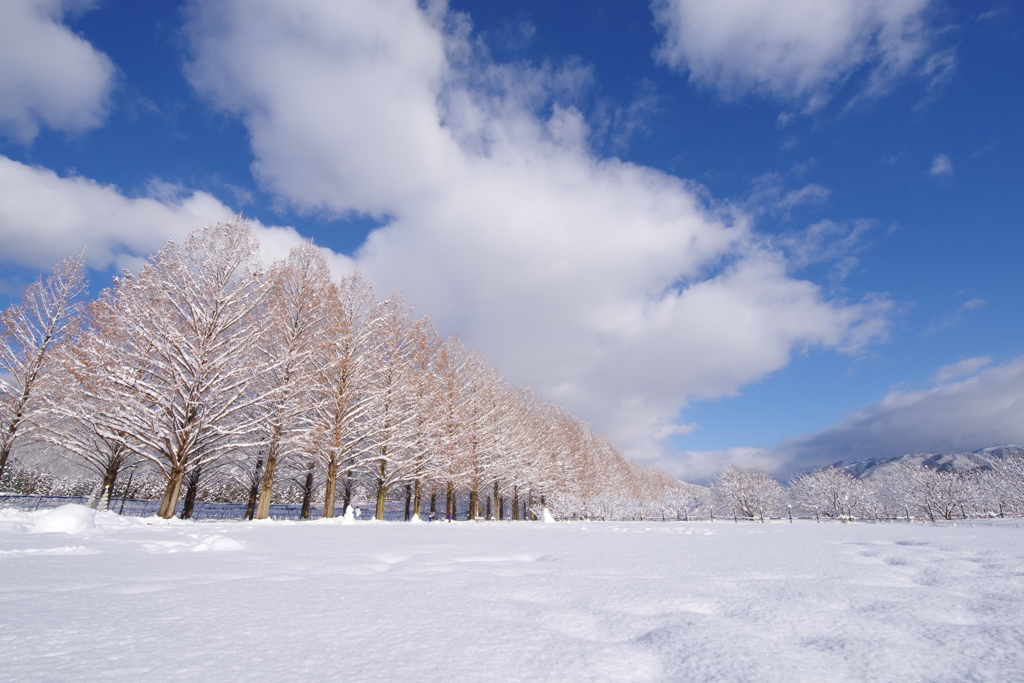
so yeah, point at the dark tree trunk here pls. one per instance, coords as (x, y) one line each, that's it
(191, 490)
(408, 502)
(474, 502)
(254, 490)
(5, 452)
(450, 506)
(417, 498)
(107, 488)
(346, 492)
(515, 503)
(307, 494)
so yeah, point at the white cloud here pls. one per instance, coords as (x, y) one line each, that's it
(972, 304)
(941, 167)
(703, 466)
(964, 368)
(977, 412)
(48, 75)
(792, 50)
(44, 217)
(613, 288)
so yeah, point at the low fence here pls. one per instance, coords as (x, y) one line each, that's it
(395, 511)
(201, 510)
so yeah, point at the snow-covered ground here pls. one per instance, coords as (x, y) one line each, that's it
(126, 599)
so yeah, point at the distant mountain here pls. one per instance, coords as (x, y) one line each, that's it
(877, 468)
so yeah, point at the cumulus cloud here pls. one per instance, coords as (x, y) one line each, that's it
(50, 76)
(618, 290)
(45, 217)
(986, 409)
(792, 50)
(701, 467)
(941, 167)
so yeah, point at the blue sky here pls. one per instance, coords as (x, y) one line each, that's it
(770, 233)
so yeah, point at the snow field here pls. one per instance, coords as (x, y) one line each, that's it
(130, 599)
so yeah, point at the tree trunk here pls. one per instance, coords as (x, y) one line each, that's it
(267, 487)
(408, 501)
(450, 507)
(109, 479)
(515, 503)
(307, 495)
(498, 505)
(329, 491)
(346, 493)
(417, 498)
(382, 489)
(433, 503)
(254, 489)
(191, 490)
(474, 502)
(169, 503)
(5, 451)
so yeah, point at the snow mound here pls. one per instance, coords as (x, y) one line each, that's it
(547, 517)
(67, 519)
(15, 521)
(217, 543)
(105, 519)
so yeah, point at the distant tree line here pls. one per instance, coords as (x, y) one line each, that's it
(218, 378)
(908, 491)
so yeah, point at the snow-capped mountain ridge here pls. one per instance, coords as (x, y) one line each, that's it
(875, 468)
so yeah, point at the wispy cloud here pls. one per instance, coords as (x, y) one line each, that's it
(941, 167)
(768, 194)
(964, 368)
(998, 11)
(958, 316)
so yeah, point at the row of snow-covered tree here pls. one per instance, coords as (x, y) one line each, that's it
(204, 365)
(908, 490)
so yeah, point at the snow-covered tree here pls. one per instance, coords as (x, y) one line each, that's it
(29, 331)
(929, 492)
(298, 305)
(1005, 483)
(172, 348)
(396, 452)
(340, 388)
(832, 492)
(750, 493)
(426, 389)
